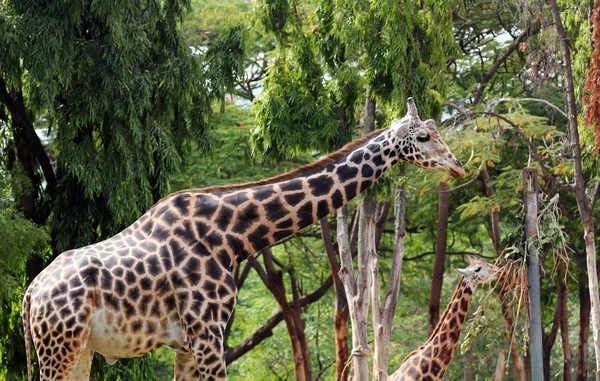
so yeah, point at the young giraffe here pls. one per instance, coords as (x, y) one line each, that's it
(167, 279)
(430, 362)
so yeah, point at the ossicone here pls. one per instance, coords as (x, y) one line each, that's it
(411, 108)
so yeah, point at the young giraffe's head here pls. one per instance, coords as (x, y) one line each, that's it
(422, 145)
(478, 271)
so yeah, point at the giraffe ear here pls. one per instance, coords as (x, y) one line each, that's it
(400, 127)
(462, 272)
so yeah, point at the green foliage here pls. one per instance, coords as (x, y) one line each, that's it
(331, 55)
(122, 99)
(19, 237)
(212, 19)
(232, 162)
(124, 369)
(294, 115)
(124, 96)
(551, 237)
(128, 109)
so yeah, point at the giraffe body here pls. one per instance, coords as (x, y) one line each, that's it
(430, 361)
(167, 279)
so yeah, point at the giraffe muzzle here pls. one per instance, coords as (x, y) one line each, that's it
(455, 169)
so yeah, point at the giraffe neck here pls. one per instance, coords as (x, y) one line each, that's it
(244, 219)
(454, 316)
(444, 338)
(296, 203)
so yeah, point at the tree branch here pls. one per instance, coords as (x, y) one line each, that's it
(13, 100)
(447, 253)
(530, 31)
(532, 148)
(594, 197)
(234, 353)
(554, 107)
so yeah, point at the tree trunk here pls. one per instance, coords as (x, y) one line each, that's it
(266, 330)
(28, 146)
(27, 203)
(340, 317)
(580, 188)
(564, 329)
(550, 337)
(357, 288)
(440, 256)
(584, 320)
(500, 364)
(357, 296)
(494, 231)
(273, 280)
(366, 251)
(383, 316)
(590, 248)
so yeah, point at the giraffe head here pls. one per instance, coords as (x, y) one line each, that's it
(478, 271)
(422, 145)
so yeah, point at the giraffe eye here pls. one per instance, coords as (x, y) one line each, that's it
(478, 269)
(423, 139)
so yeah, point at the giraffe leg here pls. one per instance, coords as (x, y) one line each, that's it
(84, 366)
(59, 361)
(61, 343)
(209, 354)
(185, 367)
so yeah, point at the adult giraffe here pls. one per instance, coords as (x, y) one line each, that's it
(167, 279)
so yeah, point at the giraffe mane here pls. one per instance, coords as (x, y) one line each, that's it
(284, 176)
(438, 326)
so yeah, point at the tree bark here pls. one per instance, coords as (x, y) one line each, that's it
(340, 318)
(583, 205)
(356, 295)
(440, 256)
(550, 337)
(27, 203)
(357, 287)
(500, 364)
(273, 280)
(584, 319)
(530, 197)
(494, 233)
(26, 141)
(14, 102)
(383, 316)
(564, 328)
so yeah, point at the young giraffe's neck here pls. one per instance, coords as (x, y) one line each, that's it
(433, 358)
(240, 220)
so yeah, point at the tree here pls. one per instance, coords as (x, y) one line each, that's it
(378, 39)
(120, 97)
